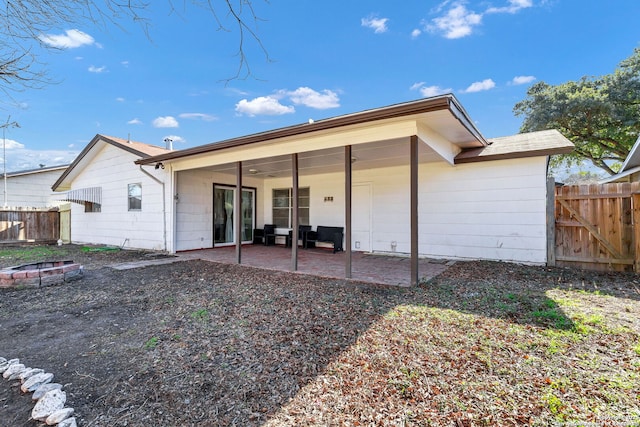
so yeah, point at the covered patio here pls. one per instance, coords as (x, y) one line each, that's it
(371, 268)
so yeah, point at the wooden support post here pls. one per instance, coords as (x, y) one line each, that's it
(295, 218)
(413, 160)
(348, 178)
(237, 214)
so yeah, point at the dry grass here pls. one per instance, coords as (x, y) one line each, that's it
(484, 343)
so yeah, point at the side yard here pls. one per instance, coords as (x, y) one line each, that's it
(207, 344)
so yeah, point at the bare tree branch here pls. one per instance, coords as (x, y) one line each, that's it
(25, 23)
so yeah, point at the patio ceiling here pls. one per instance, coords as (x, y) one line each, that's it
(364, 156)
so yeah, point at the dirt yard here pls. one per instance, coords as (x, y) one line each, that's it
(196, 343)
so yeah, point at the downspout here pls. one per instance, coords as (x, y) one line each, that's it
(164, 207)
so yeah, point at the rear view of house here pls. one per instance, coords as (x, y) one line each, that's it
(415, 178)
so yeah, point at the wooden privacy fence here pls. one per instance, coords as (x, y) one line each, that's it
(17, 226)
(597, 227)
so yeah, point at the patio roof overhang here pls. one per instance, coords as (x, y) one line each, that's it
(375, 135)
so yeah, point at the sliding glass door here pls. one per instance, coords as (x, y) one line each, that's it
(224, 207)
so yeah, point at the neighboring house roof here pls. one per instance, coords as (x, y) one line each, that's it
(138, 149)
(38, 170)
(541, 143)
(455, 125)
(631, 164)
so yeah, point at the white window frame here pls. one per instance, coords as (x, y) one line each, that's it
(133, 197)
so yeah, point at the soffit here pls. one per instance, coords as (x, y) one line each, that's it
(374, 155)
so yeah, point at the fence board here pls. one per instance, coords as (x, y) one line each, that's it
(597, 226)
(17, 226)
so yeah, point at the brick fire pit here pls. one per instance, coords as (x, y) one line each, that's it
(40, 274)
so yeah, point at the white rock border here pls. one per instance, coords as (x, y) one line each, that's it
(49, 397)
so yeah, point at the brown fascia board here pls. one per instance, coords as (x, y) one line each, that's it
(86, 150)
(474, 155)
(442, 102)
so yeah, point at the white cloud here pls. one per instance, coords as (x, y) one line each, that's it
(429, 91)
(198, 116)
(522, 80)
(415, 33)
(486, 84)
(513, 7)
(11, 144)
(94, 69)
(263, 105)
(124, 63)
(135, 121)
(460, 22)
(313, 99)
(120, 99)
(20, 158)
(71, 145)
(378, 25)
(70, 39)
(165, 122)
(456, 23)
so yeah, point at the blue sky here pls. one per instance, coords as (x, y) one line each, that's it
(324, 59)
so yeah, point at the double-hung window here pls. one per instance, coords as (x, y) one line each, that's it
(283, 206)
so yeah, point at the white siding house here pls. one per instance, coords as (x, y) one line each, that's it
(114, 201)
(415, 178)
(31, 188)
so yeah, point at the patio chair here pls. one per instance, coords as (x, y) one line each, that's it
(302, 235)
(265, 236)
(324, 234)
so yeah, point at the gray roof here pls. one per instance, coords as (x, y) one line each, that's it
(540, 143)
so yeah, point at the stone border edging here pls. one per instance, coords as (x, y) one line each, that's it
(49, 397)
(40, 274)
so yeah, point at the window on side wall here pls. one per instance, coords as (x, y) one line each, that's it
(135, 197)
(283, 206)
(92, 207)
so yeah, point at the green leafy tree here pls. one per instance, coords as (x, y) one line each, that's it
(25, 23)
(600, 115)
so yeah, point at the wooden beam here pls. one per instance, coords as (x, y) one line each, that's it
(237, 214)
(348, 178)
(594, 231)
(413, 160)
(294, 214)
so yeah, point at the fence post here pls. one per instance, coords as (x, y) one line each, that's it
(551, 222)
(635, 205)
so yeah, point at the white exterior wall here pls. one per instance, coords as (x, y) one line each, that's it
(194, 206)
(113, 169)
(488, 210)
(31, 190)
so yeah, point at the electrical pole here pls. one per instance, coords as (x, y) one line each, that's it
(4, 153)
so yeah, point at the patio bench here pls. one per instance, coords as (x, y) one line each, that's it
(325, 234)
